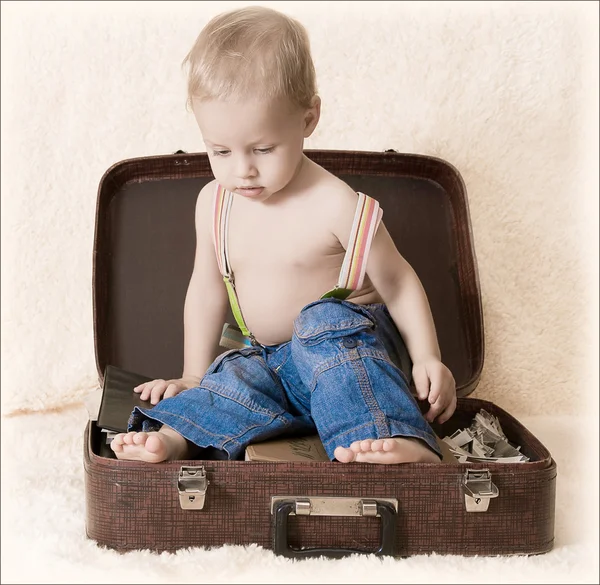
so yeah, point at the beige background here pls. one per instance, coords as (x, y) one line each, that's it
(507, 92)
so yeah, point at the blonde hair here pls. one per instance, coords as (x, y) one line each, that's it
(254, 51)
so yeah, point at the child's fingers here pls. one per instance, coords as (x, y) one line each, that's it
(144, 389)
(442, 382)
(147, 390)
(436, 387)
(442, 396)
(434, 410)
(421, 381)
(443, 408)
(172, 390)
(157, 391)
(448, 411)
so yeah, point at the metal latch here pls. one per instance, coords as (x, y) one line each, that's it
(479, 489)
(192, 485)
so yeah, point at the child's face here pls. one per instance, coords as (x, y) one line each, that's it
(255, 148)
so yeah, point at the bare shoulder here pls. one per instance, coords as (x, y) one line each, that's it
(338, 201)
(205, 197)
(204, 202)
(335, 195)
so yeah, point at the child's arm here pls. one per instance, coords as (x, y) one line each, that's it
(204, 312)
(206, 300)
(402, 292)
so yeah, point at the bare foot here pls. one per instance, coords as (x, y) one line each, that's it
(392, 450)
(154, 447)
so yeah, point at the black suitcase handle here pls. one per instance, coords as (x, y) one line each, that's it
(284, 508)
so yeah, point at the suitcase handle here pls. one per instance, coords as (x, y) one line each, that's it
(283, 508)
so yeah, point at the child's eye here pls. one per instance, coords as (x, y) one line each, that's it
(264, 150)
(220, 152)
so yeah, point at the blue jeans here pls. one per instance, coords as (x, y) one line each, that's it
(336, 376)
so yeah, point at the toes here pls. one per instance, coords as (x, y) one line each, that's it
(356, 448)
(389, 445)
(344, 455)
(366, 445)
(378, 445)
(392, 444)
(118, 439)
(140, 438)
(128, 438)
(117, 447)
(154, 444)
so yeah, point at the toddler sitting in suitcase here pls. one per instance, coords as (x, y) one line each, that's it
(275, 232)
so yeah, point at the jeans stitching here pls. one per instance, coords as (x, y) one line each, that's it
(415, 433)
(285, 361)
(339, 436)
(362, 352)
(363, 322)
(273, 419)
(182, 418)
(218, 361)
(379, 418)
(229, 356)
(222, 391)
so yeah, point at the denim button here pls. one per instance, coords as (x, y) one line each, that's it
(349, 342)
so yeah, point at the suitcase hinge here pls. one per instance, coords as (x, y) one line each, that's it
(479, 489)
(192, 485)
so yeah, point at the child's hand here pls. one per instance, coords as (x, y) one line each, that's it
(157, 389)
(435, 382)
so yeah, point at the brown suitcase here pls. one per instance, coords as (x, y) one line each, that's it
(143, 256)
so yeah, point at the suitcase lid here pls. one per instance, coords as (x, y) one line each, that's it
(144, 251)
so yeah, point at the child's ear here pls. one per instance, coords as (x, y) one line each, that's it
(311, 117)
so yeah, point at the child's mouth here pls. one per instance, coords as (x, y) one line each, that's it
(250, 191)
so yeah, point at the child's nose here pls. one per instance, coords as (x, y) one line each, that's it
(245, 168)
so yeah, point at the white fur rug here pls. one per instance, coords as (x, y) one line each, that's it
(43, 524)
(505, 91)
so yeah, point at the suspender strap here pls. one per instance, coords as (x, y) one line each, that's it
(366, 221)
(222, 205)
(223, 201)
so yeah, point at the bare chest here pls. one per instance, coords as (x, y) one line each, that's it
(281, 240)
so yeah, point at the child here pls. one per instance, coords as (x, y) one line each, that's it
(288, 230)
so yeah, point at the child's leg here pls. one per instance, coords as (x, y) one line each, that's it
(239, 401)
(360, 401)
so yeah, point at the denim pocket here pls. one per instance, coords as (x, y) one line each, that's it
(330, 319)
(229, 354)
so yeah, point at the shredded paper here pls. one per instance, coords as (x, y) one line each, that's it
(484, 441)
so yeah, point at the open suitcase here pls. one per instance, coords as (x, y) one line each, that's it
(143, 256)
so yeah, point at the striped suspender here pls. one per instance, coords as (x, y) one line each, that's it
(223, 201)
(366, 221)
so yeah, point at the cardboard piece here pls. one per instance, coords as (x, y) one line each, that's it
(305, 449)
(447, 455)
(310, 448)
